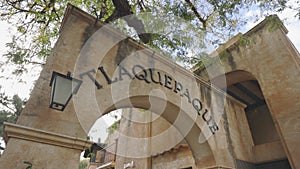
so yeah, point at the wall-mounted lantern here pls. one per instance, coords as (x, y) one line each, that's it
(62, 89)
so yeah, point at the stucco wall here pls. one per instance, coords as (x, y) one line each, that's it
(180, 157)
(272, 60)
(277, 73)
(261, 125)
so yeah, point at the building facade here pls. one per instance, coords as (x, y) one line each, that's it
(251, 121)
(258, 143)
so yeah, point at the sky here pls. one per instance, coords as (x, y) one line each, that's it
(13, 86)
(290, 22)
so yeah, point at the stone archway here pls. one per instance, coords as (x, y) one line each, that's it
(232, 78)
(273, 61)
(267, 147)
(124, 74)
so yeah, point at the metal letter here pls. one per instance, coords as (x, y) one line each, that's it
(88, 73)
(187, 94)
(109, 81)
(123, 71)
(140, 76)
(178, 87)
(204, 118)
(152, 76)
(198, 107)
(168, 81)
(213, 128)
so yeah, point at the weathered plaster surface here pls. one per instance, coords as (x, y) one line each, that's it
(273, 61)
(277, 72)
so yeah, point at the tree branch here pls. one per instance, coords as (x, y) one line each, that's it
(4, 101)
(7, 14)
(112, 17)
(35, 63)
(122, 8)
(193, 8)
(20, 9)
(55, 12)
(141, 5)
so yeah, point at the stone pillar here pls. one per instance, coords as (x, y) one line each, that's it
(41, 148)
(135, 124)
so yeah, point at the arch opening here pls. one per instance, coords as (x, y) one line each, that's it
(267, 151)
(257, 112)
(156, 137)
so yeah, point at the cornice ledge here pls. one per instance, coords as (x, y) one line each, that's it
(45, 137)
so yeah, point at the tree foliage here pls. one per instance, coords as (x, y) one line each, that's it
(11, 110)
(83, 164)
(114, 127)
(37, 22)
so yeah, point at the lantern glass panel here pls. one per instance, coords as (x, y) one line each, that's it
(62, 89)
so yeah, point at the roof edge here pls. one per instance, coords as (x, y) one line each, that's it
(233, 42)
(264, 23)
(73, 10)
